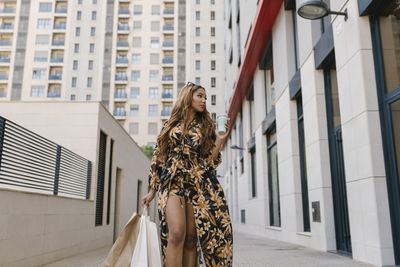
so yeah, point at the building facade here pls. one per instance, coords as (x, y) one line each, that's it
(313, 154)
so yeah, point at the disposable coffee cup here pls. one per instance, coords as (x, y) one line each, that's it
(222, 120)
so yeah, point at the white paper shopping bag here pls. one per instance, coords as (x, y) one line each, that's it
(153, 245)
(139, 257)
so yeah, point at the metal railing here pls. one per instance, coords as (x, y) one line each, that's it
(4, 59)
(168, 12)
(28, 160)
(168, 60)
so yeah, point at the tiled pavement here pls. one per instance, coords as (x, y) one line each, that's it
(249, 251)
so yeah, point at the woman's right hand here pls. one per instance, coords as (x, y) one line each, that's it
(148, 198)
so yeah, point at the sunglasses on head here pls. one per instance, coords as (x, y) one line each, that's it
(193, 84)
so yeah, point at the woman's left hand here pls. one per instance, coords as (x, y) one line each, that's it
(221, 137)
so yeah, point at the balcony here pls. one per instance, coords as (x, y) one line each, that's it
(60, 26)
(8, 10)
(123, 27)
(168, 77)
(55, 77)
(120, 96)
(168, 60)
(168, 12)
(3, 94)
(165, 113)
(121, 78)
(167, 95)
(119, 113)
(124, 12)
(121, 60)
(6, 27)
(57, 60)
(168, 27)
(58, 42)
(54, 94)
(5, 42)
(168, 44)
(3, 77)
(4, 60)
(61, 10)
(123, 44)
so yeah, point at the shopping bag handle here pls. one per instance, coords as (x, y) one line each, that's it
(144, 213)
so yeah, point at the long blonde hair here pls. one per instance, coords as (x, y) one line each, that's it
(180, 113)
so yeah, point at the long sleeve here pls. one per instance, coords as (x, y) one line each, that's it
(155, 169)
(214, 163)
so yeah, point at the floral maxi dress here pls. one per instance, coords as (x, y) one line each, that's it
(184, 165)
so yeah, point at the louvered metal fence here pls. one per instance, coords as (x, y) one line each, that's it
(28, 160)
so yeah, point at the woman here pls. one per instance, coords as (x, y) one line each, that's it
(193, 213)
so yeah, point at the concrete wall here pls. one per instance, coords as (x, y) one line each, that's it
(77, 127)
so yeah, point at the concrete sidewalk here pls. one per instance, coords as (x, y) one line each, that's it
(249, 251)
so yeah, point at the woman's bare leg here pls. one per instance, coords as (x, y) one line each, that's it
(189, 248)
(175, 215)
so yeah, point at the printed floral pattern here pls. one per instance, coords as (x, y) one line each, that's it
(184, 164)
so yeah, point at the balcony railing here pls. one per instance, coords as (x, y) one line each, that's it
(4, 60)
(121, 77)
(120, 95)
(61, 9)
(3, 94)
(165, 112)
(55, 77)
(57, 60)
(3, 77)
(124, 11)
(120, 113)
(167, 95)
(61, 26)
(168, 12)
(58, 43)
(6, 27)
(122, 44)
(5, 43)
(7, 10)
(168, 27)
(123, 27)
(168, 60)
(168, 44)
(54, 94)
(122, 60)
(167, 77)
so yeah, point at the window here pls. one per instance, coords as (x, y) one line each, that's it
(153, 77)
(79, 15)
(155, 42)
(135, 92)
(137, 42)
(153, 93)
(136, 58)
(253, 172)
(212, 2)
(137, 9)
(135, 76)
(94, 14)
(212, 15)
(197, 64)
(197, 47)
(155, 26)
(152, 128)
(78, 31)
(92, 31)
(90, 65)
(153, 110)
(91, 48)
(89, 82)
(133, 128)
(212, 31)
(76, 48)
(134, 110)
(79, 2)
(39, 74)
(197, 80)
(197, 31)
(73, 83)
(75, 65)
(155, 10)
(44, 23)
(37, 91)
(241, 143)
(40, 56)
(45, 7)
(154, 58)
(273, 180)
(197, 15)
(137, 26)
(88, 97)
(212, 48)
(197, 2)
(213, 100)
(73, 97)
(212, 64)
(94, 2)
(213, 82)
(42, 39)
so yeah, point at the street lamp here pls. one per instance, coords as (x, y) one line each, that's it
(316, 10)
(236, 147)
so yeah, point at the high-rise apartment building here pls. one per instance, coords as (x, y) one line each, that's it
(133, 56)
